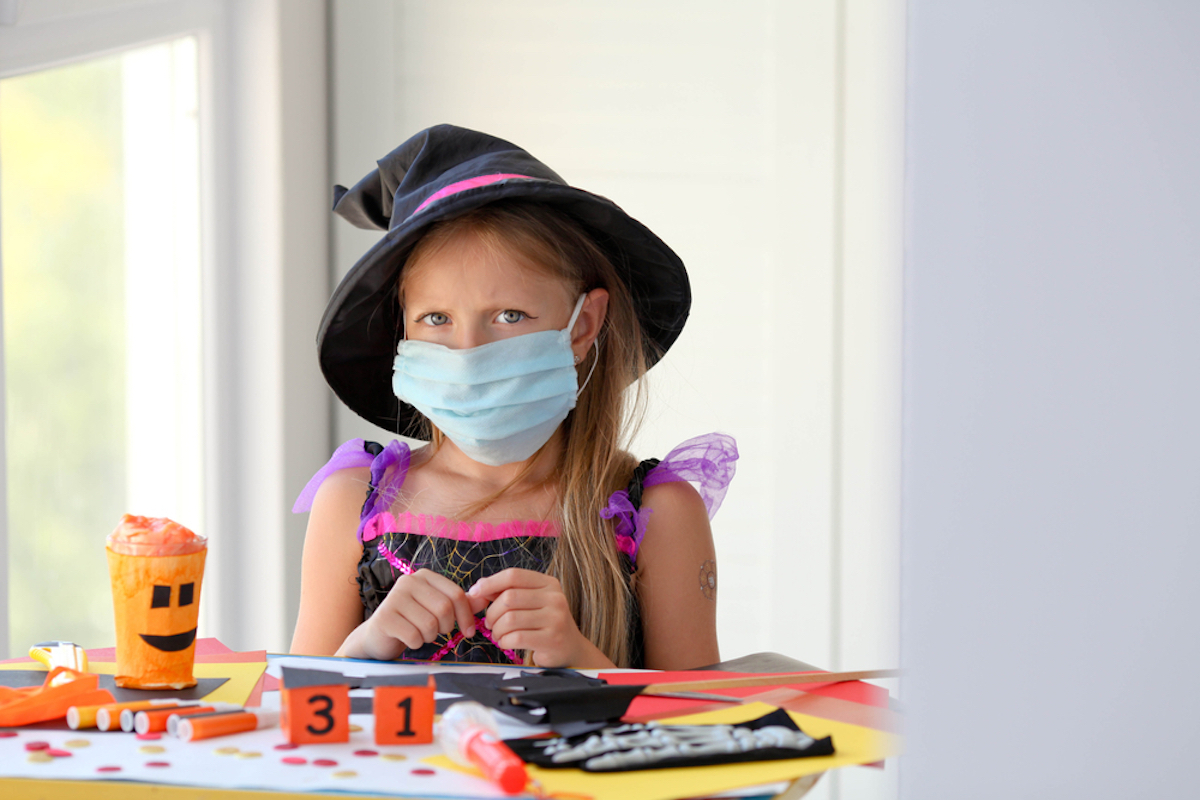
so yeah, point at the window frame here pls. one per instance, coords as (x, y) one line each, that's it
(263, 181)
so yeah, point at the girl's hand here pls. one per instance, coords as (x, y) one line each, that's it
(527, 610)
(418, 608)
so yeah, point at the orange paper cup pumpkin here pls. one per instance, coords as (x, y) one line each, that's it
(156, 567)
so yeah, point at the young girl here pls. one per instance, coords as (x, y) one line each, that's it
(502, 317)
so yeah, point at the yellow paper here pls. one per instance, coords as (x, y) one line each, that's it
(242, 677)
(853, 744)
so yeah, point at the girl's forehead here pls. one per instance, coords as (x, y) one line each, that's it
(467, 268)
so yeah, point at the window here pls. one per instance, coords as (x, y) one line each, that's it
(100, 255)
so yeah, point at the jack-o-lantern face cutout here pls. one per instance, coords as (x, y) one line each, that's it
(161, 598)
(156, 600)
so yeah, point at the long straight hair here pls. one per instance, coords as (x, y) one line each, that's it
(594, 461)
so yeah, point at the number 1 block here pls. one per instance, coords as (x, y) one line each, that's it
(404, 714)
(315, 714)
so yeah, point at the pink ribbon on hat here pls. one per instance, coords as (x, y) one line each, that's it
(469, 183)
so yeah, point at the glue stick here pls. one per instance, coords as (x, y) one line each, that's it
(210, 708)
(156, 720)
(108, 717)
(469, 736)
(206, 726)
(129, 716)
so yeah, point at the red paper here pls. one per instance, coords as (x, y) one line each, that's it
(853, 691)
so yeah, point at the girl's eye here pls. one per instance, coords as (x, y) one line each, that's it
(510, 316)
(434, 318)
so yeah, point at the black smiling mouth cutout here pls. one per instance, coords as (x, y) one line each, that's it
(170, 644)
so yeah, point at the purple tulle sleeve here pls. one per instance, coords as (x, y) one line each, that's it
(388, 470)
(352, 454)
(707, 462)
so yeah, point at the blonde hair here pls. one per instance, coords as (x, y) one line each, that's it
(593, 462)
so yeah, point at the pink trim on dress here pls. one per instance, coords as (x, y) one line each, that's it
(481, 629)
(430, 525)
(399, 564)
(469, 183)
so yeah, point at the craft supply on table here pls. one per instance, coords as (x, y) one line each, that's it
(157, 720)
(106, 716)
(156, 567)
(51, 700)
(60, 654)
(468, 734)
(224, 723)
(128, 716)
(173, 719)
(653, 745)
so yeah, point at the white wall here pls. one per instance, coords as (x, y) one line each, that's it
(1052, 382)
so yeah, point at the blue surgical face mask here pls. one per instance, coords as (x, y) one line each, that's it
(498, 402)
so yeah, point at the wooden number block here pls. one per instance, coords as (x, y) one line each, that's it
(404, 714)
(315, 714)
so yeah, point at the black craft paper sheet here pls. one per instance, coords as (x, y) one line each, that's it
(552, 697)
(533, 750)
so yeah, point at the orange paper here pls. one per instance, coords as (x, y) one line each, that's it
(315, 714)
(156, 567)
(50, 701)
(404, 714)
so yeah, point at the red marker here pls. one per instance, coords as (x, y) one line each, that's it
(469, 736)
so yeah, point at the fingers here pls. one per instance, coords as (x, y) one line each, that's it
(463, 610)
(491, 587)
(516, 621)
(421, 606)
(513, 600)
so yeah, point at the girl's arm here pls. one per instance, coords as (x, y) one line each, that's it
(330, 607)
(676, 580)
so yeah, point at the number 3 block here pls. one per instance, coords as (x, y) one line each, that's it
(315, 714)
(404, 714)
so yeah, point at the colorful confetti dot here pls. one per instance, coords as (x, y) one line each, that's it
(108, 769)
(39, 757)
(7, 734)
(149, 737)
(151, 749)
(158, 763)
(355, 728)
(324, 762)
(423, 771)
(37, 745)
(78, 743)
(287, 746)
(345, 773)
(58, 753)
(225, 751)
(393, 757)
(366, 752)
(294, 760)
(249, 754)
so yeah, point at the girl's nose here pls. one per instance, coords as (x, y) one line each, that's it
(468, 336)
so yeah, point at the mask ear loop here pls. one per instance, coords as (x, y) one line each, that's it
(595, 361)
(596, 341)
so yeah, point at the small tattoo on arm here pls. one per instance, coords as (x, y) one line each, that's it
(708, 579)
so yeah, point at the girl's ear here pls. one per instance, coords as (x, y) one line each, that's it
(591, 318)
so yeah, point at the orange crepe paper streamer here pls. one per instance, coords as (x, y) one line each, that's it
(46, 702)
(156, 601)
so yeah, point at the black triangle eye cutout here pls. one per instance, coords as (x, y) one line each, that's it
(161, 597)
(185, 594)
